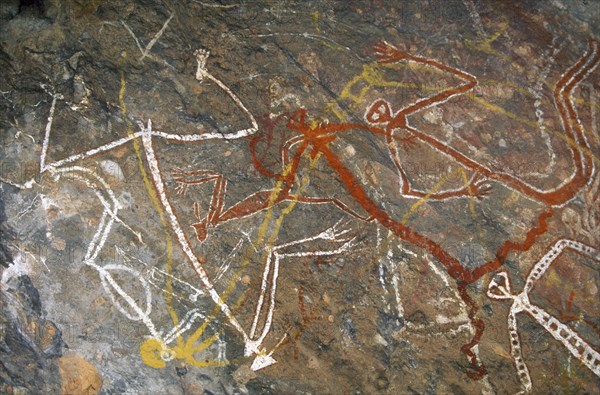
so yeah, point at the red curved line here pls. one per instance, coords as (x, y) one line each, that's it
(478, 369)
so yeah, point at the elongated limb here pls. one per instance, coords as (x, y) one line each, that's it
(252, 204)
(339, 204)
(380, 112)
(517, 355)
(573, 132)
(262, 200)
(387, 53)
(202, 73)
(570, 119)
(578, 347)
(335, 233)
(156, 276)
(564, 244)
(477, 187)
(185, 179)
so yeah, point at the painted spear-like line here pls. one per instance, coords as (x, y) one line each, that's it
(109, 216)
(180, 235)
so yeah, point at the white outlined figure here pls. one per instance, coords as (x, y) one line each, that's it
(111, 206)
(119, 297)
(500, 289)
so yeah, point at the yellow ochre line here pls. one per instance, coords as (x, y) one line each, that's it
(526, 121)
(374, 79)
(155, 202)
(189, 346)
(386, 242)
(427, 197)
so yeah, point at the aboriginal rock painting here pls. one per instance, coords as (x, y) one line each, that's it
(267, 229)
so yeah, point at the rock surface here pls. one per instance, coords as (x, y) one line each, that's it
(78, 376)
(299, 197)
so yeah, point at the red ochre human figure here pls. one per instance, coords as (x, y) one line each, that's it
(380, 114)
(260, 200)
(309, 138)
(314, 141)
(383, 121)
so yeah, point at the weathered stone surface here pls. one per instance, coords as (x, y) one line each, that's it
(78, 376)
(29, 344)
(296, 197)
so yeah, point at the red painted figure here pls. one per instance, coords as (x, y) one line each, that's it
(383, 121)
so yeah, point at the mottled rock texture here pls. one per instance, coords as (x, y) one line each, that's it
(331, 185)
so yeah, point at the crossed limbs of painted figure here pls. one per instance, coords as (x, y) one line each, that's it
(380, 114)
(338, 234)
(315, 141)
(124, 302)
(500, 289)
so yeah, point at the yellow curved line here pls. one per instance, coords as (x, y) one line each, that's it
(372, 76)
(155, 203)
(189, 349)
